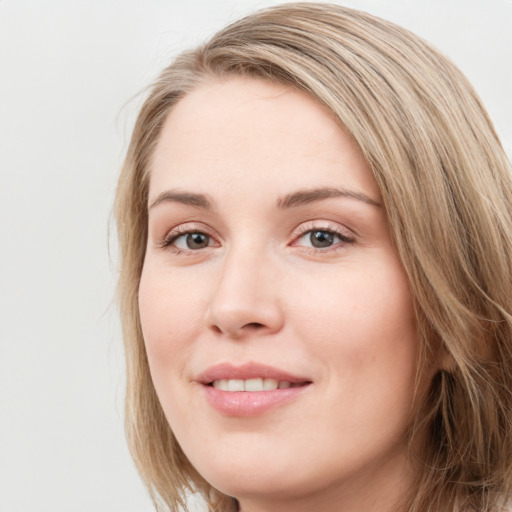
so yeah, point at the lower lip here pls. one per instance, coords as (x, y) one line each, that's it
(250, 403)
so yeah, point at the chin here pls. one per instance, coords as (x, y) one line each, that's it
(259, 473)
(251, 484)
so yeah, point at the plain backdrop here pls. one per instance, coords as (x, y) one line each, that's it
(70, 74)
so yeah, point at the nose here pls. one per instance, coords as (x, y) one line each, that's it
(245, 301)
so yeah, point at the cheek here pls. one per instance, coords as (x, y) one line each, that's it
(363, 325)
(168, 319)
(372, 307)
(364, 332)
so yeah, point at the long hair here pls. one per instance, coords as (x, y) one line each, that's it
(446, 185)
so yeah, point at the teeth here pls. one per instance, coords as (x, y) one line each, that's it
(253, 385)
(250, 384)
(221, 384)
(235, 385)
(269, 384)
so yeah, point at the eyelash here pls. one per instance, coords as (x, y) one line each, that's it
(181, 231)
(178, 232)
(311, 228)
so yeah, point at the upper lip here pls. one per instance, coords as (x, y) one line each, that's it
(246, 371)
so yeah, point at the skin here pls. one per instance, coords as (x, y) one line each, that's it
(257, 290)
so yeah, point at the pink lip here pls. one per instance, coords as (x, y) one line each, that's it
(247, 371)
(243, 403)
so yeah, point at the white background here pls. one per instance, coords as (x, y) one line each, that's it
(69, 74)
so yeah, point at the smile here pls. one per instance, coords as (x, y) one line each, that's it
(251, 389)
(251, 385)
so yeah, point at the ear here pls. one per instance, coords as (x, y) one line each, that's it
(442, 358)
(446, 361)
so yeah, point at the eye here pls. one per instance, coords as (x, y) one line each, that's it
(322, 238)
(184, 239)
(192, 241)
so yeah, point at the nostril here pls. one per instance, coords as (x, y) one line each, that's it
(249, 327)
(253, 326)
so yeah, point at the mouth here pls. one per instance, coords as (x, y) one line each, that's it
(254, 385)
(251, 389)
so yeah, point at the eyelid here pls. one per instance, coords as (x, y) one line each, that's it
(346, 235)
(323, 225)
(184, 229)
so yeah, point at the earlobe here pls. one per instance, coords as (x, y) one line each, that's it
(446, 360)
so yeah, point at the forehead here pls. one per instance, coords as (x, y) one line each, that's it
(243, 129)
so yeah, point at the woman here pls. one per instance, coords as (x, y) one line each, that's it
(315, 220)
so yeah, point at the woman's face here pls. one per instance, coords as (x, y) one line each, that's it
(270, 265)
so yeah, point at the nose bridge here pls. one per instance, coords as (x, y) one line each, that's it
(246, 297)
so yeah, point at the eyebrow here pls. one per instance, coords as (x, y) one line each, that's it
(187, 198)
(292, 200)
(304, 197)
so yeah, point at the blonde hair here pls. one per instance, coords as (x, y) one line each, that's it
(446, 185)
